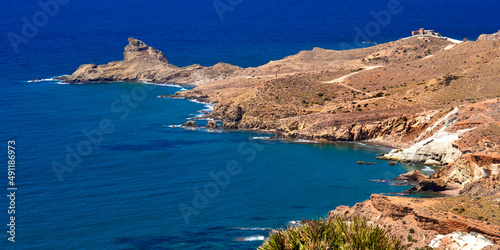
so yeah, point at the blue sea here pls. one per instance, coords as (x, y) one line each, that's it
(105, 166)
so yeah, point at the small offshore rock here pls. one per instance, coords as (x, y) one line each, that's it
(212, 125)
(366, 163)
(391, 163)
(191, 124)
(414, 175)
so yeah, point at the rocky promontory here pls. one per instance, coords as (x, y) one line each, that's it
(144, 63)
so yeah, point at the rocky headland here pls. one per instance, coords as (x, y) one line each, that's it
(436, 100)
(144, 63)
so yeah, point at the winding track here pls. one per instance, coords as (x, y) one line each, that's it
(342, 78)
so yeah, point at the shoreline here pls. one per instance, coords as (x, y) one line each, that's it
(278, 136)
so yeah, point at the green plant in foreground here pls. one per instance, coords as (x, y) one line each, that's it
(332, 234)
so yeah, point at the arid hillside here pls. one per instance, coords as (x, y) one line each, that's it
(323, 94)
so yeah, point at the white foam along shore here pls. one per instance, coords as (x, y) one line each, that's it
(171, 85)
(428, 169)
(209, 107)
(252, 238)
(254, 228)
(165, 85)
(52, 79)
(262, 138)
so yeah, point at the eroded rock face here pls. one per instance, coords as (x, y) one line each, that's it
(343, 129)
(470, 168)
(438, 149)
(232, 113)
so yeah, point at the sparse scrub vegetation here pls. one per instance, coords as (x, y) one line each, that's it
(447, 79)
(332, 234)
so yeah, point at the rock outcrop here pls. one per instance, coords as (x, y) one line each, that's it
(366, 163)
(138, 51)
(144, 63)
(212, 125)
(494, 36)
(413, 176)
(190, 124)
(428, 185)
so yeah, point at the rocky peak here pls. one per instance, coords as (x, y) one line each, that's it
(137, 50)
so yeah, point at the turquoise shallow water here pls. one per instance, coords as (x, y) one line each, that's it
(125, 190)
